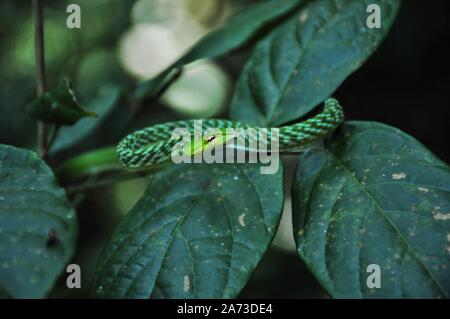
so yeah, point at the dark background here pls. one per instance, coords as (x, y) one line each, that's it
(407, 81)
(406, 84)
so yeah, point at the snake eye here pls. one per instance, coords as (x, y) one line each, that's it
(210, 138)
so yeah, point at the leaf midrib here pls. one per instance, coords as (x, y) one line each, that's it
(299, 61)
(177, 228)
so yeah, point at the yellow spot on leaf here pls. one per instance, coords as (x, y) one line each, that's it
(304, 16)
(424, 189)
(242, 220)
(186, 283)
(398, 176)
(440, 216)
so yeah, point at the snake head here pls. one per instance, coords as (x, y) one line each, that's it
(209, 141)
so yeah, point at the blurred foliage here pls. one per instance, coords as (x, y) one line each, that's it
(58, 106)
(202, 91)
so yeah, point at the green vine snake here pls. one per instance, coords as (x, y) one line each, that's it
(154, 144)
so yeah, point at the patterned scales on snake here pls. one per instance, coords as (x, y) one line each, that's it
(154, 144)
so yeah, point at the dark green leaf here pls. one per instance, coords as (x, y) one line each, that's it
(105, 103)
(375, 196)
(58, 106)
(198, 232)
(32, 208)
(239, 30)
(115, 121)
(303, 61)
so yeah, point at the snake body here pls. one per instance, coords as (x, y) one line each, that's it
(154, 144)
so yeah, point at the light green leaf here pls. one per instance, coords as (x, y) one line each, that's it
(198, 232)
(303, 61)
(375, 196)
(37, 225)
(238, 31)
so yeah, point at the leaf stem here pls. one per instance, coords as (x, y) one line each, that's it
(51, 141)
(97, 162)
(93, 162)
(85, 187)
(40, 67)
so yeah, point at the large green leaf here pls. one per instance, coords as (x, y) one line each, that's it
(375, 196)
(238, 31)
(198, 232)
(37, 225)
(303, 61)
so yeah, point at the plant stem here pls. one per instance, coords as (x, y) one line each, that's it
(173, 76)
(93, 162)
(82, 188)
(51, 140)
(99, 162)
(40, 67)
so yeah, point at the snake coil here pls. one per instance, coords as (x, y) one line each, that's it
(154, 144)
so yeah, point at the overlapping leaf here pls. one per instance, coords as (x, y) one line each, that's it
(238, 31)
(302, 62)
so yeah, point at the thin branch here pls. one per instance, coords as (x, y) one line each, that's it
(40, 67)
(173, 75)
(51, 141)
(82, 188)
